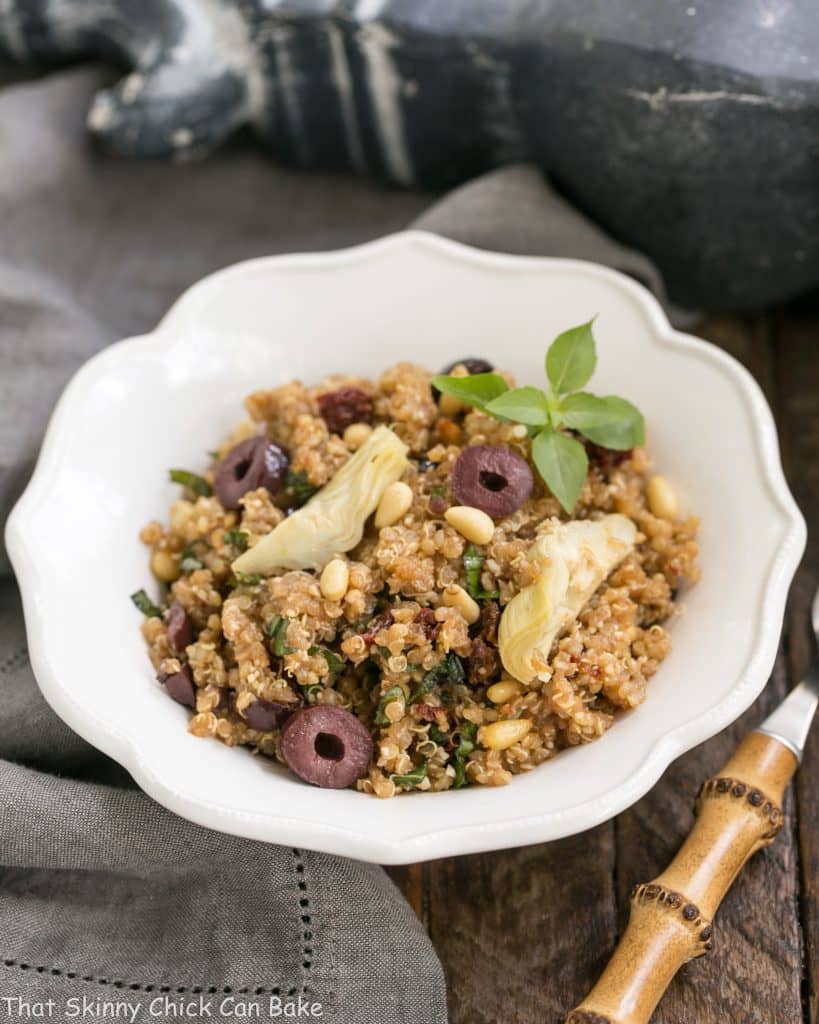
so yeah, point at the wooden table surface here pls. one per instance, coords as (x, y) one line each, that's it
(523, 934)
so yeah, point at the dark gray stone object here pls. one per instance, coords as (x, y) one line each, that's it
(689, 130)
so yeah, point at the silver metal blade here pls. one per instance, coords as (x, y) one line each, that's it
(814, 615)
(790, 723)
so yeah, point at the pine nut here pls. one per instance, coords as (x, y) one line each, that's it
(450, 406)
(661, 498)
(457, 597)
(394, 504)
(504, 734)
(472, 523)
(334, 579)
(505, 690)
(164, 566)
(356, 434)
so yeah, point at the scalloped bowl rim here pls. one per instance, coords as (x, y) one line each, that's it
(455, 838)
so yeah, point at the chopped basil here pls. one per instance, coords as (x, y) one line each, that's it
(276, 629)
(394, 693)
(146, 605)
(462, 752)
(334, 663)
(236, 538)
(190, 560)
(192, 481)
(473, 566)
(214, 455)
(439, 491)
(436, 735)
(311, 692)
(411, 778)
(244, 579)
(299, 486)
(451, 668)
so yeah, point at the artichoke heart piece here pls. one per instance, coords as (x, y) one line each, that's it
(333, 520)
(574, 558)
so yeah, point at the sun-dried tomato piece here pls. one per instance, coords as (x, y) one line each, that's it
(344, 406)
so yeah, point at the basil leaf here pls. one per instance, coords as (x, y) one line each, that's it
(276, 629)
(146, 605)
(450, 668)
(478, 389)
(299, 486)
(437, 736)
(412, 778)
(236, 538)
(192, 481)
(311, 692)
(462, 751)
(334, 663)
(523, 405)
(611, 422)
(571, 359)
(394, 693)
(244, 579)
(189, 560)
(473, 566)
(562, 462)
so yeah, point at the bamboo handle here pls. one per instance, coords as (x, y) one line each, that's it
(738, 812)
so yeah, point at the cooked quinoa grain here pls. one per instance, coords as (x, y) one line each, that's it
(401, 633)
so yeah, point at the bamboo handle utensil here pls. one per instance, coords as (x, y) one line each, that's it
(739, 811)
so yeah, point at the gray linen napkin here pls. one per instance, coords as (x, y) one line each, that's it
(103, 894)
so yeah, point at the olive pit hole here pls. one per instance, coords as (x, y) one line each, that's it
(329, 747)
(492, 481)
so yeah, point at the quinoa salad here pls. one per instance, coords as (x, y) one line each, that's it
(419, 581)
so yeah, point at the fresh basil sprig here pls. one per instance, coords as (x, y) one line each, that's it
(561, 459)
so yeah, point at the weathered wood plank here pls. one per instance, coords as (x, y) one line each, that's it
(521, 932)
(798, 378)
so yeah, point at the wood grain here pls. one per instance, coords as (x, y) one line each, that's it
(797, 350)
(520, 932)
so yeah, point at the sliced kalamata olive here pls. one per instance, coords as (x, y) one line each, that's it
(326, 746)
(492, 478)
(345, 406)
(266, 715)
(471, 364)
(179, 686)
(256, 462)
(180, 628)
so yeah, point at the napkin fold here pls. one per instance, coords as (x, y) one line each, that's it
(106, 897)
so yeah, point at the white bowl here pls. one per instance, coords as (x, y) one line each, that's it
(161, 400)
